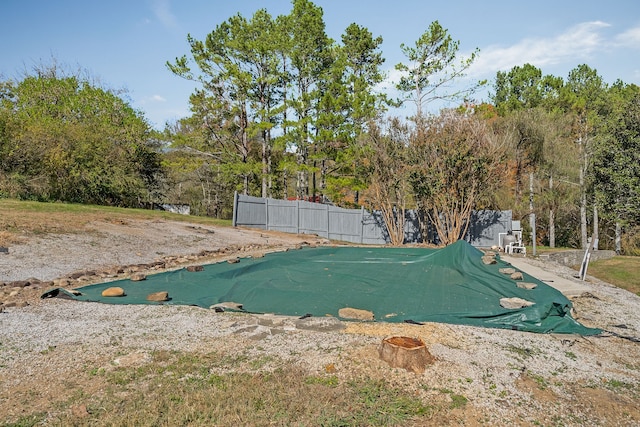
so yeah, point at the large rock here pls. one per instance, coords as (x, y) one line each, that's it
(138, 277)
(113, 292)
(158, 296)
(515, 303)
(195, 268)
(320, 324)
(526, 285)
(517, 276)
(488, 260)
(226, 305)
(355, 314)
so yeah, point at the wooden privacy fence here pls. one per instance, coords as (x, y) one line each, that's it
(353, 225)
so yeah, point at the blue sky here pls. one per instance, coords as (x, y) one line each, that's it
(125, 43)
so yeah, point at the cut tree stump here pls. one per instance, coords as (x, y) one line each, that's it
(405, 352)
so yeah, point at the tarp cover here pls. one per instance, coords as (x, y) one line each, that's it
(449, 285)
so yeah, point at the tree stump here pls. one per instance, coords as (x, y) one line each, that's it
(405, 352)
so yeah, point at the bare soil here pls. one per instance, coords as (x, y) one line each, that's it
(507, 377)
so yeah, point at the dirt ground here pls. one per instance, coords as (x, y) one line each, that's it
(507, 377)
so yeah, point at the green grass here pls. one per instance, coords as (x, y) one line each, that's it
(177, 388)
(8, 205)
(19, 219)
(622, 271)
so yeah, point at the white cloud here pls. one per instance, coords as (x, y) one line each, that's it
(629, 38)
(574, 45)
(153, 99)
(162, 11)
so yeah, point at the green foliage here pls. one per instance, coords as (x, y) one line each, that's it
(524, 87)
(432, 67)
(455, 161)
(275, 90)
(616, 157)
(62, 138)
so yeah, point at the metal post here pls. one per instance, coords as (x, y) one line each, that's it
(328, 220)
(362, 225)
(234, 220)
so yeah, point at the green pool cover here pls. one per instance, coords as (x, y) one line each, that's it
(448, 285)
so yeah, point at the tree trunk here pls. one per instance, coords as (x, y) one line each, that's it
(618, 238)
(584, 242)
(405, 352)
(595, 236)
(264, 164)
(552, 219)
(532, 218)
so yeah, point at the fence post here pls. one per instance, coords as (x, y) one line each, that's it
(266, 213)
(328, 219)
(297, 216)
(234, 220)
(361, 224)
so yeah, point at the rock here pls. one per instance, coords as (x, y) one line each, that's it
(194, 268)
(488, 260)
(507, 270)
(158, 296)
(20, 284)
(515, 303)
(138, 277)
(61, 283)
(517, 276)
(4, 250)
(233, 260)
(227, 305)
(79, 274)
(355, 313)
(320, 324)
(114, 271)
(526, 285)
(113, 292)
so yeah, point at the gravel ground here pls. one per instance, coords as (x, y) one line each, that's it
(508, 377)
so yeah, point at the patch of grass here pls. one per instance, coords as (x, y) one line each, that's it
(180, 389)
(19, 217)
(615, 384)
(522, 351)
(457, 400)
(331, 380)
(622, 271)
(539, 380)
(28, 420)
(48, 350)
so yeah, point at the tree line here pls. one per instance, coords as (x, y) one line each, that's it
(281, 110)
